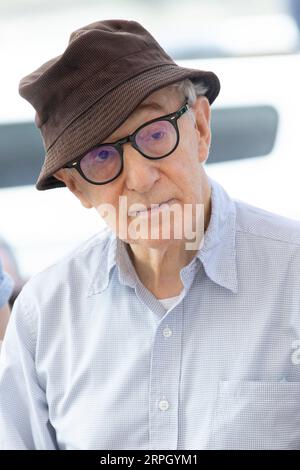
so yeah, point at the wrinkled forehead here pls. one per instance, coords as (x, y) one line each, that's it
(163, 101)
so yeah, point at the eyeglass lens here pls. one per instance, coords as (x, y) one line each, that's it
(154, 140)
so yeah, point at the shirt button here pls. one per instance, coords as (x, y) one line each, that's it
(163, 405)
(167, 332)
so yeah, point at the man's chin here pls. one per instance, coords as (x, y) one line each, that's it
(153, 243)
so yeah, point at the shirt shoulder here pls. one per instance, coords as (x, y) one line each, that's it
(264, 224)
(76, 268)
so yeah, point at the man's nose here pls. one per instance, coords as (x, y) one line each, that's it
(140, 173)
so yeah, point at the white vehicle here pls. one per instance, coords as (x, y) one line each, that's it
(254, 155)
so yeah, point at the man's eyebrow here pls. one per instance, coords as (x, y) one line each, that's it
(151, 105)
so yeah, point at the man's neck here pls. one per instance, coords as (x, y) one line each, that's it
(159, 269)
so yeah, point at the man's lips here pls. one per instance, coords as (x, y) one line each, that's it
(151, 210)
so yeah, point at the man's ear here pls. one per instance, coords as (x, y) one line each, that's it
(202, 116)
(73, 185)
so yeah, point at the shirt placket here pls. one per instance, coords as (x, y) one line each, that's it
(165, 380)
(166, 371)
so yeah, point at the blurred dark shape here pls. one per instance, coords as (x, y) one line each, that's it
(10, 265)
(242, 132)
(294, 9)
(21, 154)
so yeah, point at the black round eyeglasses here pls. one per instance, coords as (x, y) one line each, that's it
(154, 139)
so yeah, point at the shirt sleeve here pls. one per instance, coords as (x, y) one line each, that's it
(6, 286)
(24, 418)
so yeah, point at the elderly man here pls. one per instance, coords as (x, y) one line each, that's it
(149, 342)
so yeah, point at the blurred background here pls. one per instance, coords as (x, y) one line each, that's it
(252, 46)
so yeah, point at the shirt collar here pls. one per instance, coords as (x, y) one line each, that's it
(217, 252)
(114, 254)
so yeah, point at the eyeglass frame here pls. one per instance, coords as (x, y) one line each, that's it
(118, 144)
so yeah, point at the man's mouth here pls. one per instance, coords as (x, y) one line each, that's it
(153, 209)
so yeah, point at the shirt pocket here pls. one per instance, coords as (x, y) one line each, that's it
(256, 415)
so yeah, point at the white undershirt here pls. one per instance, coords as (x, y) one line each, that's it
(170, 301)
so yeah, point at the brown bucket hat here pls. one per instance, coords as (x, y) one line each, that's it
(82, 96)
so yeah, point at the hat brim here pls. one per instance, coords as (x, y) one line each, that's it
(110, 111)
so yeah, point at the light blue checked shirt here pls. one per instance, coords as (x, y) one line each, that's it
(92, 360)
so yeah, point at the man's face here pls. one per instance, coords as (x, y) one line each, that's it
(178, 178)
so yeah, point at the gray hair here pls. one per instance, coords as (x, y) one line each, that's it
(190, 90)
